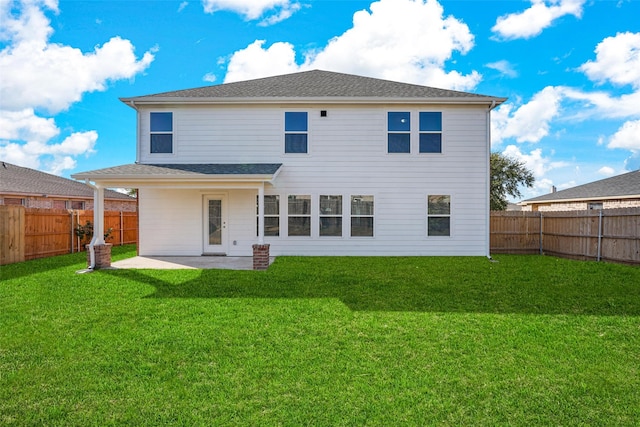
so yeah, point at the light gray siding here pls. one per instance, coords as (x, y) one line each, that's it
(347, 156)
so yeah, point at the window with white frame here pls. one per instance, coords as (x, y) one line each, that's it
(361, 216)
(271, 215)
(430, 132)
(438, 215)
(296, 132)
(331, 216)
(299, 215)
(399, 132)
(161, 132)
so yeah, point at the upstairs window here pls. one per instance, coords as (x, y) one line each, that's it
(439, 215)
(161, 127)
(399, 128)
(430, 132)
(295, 132)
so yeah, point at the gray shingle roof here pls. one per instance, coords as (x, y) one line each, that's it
(626, 185)
(314, 84)
(182, 170)
(24, 181)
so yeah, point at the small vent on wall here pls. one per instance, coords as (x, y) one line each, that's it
(323, 113)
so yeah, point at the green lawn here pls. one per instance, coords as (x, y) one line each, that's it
(528, 340)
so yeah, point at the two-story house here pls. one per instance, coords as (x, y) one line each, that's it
(311, 163)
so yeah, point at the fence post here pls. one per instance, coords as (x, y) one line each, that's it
(541, 233)
(77, 223)
(71, 237)
(599, 235)
(121, 229)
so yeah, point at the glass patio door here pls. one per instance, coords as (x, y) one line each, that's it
(215, 225)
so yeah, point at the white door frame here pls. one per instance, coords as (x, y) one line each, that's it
(223, 247)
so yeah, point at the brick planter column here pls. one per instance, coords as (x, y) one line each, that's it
(103, 255)
(261, 257)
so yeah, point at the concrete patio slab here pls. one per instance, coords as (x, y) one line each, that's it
(186, 262)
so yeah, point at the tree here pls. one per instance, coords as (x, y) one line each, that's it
(507, 175)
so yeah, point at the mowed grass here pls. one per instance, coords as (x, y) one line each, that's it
(528, 340)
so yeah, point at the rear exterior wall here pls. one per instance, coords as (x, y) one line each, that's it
(347, 156)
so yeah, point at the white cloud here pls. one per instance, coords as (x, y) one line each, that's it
(531, 121)
(606, 171)
(504, 67)
(373, 46)
(182, 6)
(55, 158)
(534, 20)
(617, 60)
(209, 77)
(534, 161)
(29, 67)
(255, 61)
(29, 63)
(627, 137)
(255, 9)
(25, 125)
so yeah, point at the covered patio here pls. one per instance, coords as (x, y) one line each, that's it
(209, 182)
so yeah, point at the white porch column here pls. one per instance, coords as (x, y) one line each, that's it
(261, 214)
(98, 215)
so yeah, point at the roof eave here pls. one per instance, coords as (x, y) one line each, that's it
(169, 100)
(579, 199)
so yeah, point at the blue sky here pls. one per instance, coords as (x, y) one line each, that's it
(570, 68)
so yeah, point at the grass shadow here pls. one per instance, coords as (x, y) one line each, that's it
(73, 261)
(516, 284)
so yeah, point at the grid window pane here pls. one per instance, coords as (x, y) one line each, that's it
(161, 122)
(431, 121)
(299, 226)
(161, 143)
(439, 226)
(271, 226)
(361, 205)
(331, 205)
(299, 205)
(439, 205)
(295, 121)
(272, 205)
(399, 121)
(331, 226)
(295, 143)
(362, 226)
(399, 143)
(431, 143)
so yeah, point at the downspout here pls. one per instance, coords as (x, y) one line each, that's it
(488, 178)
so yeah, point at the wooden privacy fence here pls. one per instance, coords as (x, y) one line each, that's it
(610, 234)
(29, 233)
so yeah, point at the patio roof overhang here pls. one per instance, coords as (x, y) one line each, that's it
(194, 176)
(208, 175)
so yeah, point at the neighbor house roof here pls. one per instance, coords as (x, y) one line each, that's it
(621, 186)
(316, 85)
(17, 180)
(208, 171)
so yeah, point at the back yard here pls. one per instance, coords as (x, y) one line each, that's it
(529, 340)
